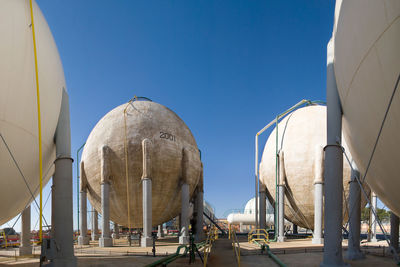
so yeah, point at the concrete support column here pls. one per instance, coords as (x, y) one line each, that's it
(353, 251)
(184, 218)
(95, 225)
(241, 228)
(263, 206)
(394, 231)
(199, 203)
(318, 195)
(184, 237)
(105, 239)
(115, 235)
(199, 206)
(62, 182)
(374, 203)
(281, 199)
(333, 216)
(147, 239)
(26, 248)
(160, 231)
(83, 239)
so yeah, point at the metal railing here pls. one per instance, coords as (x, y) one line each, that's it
(211, 237)
(259, 235)
(235, 244)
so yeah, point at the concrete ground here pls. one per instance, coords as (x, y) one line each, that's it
(294, 252)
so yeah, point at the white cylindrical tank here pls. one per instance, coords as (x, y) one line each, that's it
(169, 136)
(367, 67)
(300, 134)
(248, 215)
(18, 103)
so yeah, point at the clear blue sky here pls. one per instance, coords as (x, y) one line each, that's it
(225, 67)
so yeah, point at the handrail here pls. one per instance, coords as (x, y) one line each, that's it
(216, 224)
(5, 238)
(211, 237)
(171, 258)
(256, 234)
(236, 248)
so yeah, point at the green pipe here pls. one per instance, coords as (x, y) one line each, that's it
(77, 180)
(275, 258)
(170, 258)
(271, 255)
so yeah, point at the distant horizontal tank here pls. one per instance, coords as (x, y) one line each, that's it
(367, 67)
(18, 103)
(301, 133)
(248, 215)
(171, 143)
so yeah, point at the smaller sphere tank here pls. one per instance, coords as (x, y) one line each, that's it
(300, 133)
(170, 140)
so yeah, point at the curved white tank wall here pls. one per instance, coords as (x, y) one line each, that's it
(169, 136)
(367, 66)
(250, 208)
(18, 106)
(300, 133)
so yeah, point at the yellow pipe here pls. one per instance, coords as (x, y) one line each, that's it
(39, 125)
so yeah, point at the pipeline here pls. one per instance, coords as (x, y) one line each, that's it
(271, 255)
(165, 261)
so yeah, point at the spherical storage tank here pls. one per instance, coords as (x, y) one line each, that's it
(300, 133)
(169, 136)
(367, 66)
(18, 103)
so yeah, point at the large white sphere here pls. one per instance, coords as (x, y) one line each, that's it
(367, 66)
(169, 136)
(300, 134)
(18, 105)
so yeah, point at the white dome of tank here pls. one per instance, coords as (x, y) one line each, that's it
(249, 208)
(18, 103)
(170, 138)
(300, 133)
(367, 66)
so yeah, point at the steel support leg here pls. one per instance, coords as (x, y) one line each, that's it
(354, 251)
(105, 239)
(147, 239)
(95, 225)
(115, 235)
(394, 231)
(263, 206)
(333, 216)
(184, 237)
(373, 218)
(199, 205)
(26, 248)
(62, 182)
(83, 239)
(318, 195)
